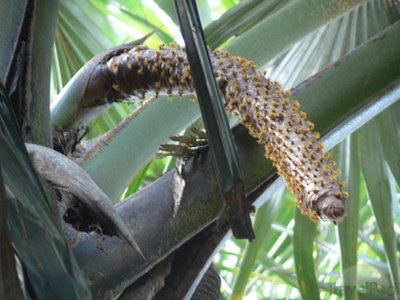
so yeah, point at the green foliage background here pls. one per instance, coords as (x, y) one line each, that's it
(291, 256)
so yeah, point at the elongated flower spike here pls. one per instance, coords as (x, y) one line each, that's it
(261, 104)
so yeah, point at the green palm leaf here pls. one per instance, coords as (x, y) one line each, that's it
(293, 51)
(35, 232)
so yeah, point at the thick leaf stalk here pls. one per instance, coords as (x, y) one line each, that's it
(261, 104)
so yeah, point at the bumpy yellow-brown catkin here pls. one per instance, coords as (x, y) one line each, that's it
(262, 106)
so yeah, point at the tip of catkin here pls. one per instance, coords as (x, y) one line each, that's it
(330, 208)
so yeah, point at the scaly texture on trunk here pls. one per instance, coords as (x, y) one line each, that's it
(261, 104)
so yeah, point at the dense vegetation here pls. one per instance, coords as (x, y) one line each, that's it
(351, 101)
